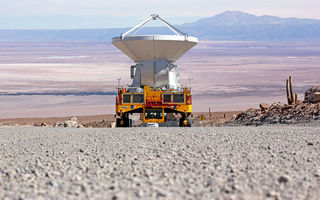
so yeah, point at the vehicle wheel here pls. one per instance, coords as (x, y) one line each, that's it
(126, 122)
(119, 122)
(181, 120)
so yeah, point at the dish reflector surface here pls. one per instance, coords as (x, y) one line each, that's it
(155, 47)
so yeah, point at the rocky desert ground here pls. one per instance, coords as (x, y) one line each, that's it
(103, 121)
(265, 162)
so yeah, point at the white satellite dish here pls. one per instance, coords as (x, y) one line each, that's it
(154, 47)
(154, 55)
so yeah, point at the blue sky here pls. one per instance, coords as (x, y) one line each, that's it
(62, 14)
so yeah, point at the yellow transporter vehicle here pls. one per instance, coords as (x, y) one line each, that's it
(155, 91)
(154, 105)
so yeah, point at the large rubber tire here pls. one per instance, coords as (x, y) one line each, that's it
(126, 122)
(181, 124)
(118, 123)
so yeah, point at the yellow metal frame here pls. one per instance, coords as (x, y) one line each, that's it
(153, 99)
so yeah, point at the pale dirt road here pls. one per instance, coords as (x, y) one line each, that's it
(276, 162)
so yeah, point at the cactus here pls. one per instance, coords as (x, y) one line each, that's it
(288, 92)
(291, 97)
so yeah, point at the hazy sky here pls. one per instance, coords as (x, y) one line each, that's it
(57, 14)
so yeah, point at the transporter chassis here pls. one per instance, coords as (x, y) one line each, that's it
(154, 105)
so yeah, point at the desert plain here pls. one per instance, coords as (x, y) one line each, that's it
(225, 75)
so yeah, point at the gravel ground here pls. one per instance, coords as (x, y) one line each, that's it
(276, 162)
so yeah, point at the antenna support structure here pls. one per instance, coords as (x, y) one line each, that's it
(155, 91)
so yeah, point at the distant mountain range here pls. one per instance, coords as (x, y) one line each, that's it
(229, 25)
(235, 25)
